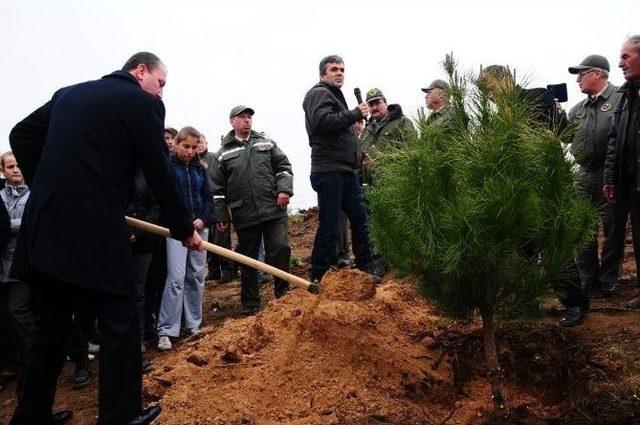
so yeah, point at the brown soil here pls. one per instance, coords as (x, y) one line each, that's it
(362, 353)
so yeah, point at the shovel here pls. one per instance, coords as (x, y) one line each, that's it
(227, 253)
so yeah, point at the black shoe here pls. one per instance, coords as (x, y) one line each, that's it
(147, 416)
(632, 304)
(81, 378)
(249, 311)
(607, 290)
(573, 317)
(343, 261)
(147, 366)
(60, 417)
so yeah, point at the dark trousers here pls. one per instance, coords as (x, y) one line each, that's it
(18, 308)
(141, 264)
(277, 254)
(342, 238)
(120, 380)
(593, 271)
(337, 192)
(83, 329)
(222, 239)
(630, 200)
(576, 294)
(15, 319)
(154, 287)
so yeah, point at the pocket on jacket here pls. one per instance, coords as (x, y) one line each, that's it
(236, 204)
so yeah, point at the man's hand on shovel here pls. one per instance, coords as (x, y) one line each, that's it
(193, 242)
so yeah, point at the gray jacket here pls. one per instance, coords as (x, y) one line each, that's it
(593, 119)
(14, 199)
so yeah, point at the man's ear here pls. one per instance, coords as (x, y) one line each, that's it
(139, 71)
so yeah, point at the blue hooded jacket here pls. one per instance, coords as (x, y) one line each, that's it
(193, 185)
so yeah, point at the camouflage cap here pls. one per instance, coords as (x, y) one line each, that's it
(591, 61)
(374, 94)
(436, 84)
(237, 110)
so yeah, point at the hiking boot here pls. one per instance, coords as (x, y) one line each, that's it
(633, 304)
(164, 343)
(81, 378)
(573, 317)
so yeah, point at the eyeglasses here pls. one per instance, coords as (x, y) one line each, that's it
(583, 73)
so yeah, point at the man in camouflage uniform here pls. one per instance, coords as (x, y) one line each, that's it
(388, 127)
(253, 177)
(592, 118)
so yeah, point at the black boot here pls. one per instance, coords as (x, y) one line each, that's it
(60, 417)
(147, 416)
(573, 316)
(81, 378)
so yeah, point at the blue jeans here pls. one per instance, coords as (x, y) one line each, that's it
(337, 192)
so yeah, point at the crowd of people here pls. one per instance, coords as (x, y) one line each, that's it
(75, 281)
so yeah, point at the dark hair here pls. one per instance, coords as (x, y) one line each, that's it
(147, 59)
(186, 132)
(172, 131)
(327, 60)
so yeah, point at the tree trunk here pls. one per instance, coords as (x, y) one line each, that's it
(491, 356)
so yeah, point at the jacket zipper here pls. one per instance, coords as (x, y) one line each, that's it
(193, 214)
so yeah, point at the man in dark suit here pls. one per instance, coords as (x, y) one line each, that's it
(79, 154)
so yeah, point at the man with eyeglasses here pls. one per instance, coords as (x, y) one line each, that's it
(621, 176)
(592, 120)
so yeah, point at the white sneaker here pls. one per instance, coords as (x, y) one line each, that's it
(164, 343)
(93, 348)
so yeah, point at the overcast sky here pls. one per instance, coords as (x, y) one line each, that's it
(265, 54)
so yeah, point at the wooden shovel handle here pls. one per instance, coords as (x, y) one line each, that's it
(227, 253)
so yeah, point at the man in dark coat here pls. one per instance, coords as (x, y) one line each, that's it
(79, 153)
(335, 157)
(621, 169)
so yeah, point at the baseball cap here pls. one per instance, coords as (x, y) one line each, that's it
(591, 61)
(374, 94)
(436, 84)
(237, 110)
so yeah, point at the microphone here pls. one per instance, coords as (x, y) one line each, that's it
(356, 91)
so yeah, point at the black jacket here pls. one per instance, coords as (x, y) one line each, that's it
(144, 207)
(334, 144)
(617, 139)
(79, 154)
(5, 227)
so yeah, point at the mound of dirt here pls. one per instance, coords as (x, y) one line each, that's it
(348, 285)
(352, 354)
